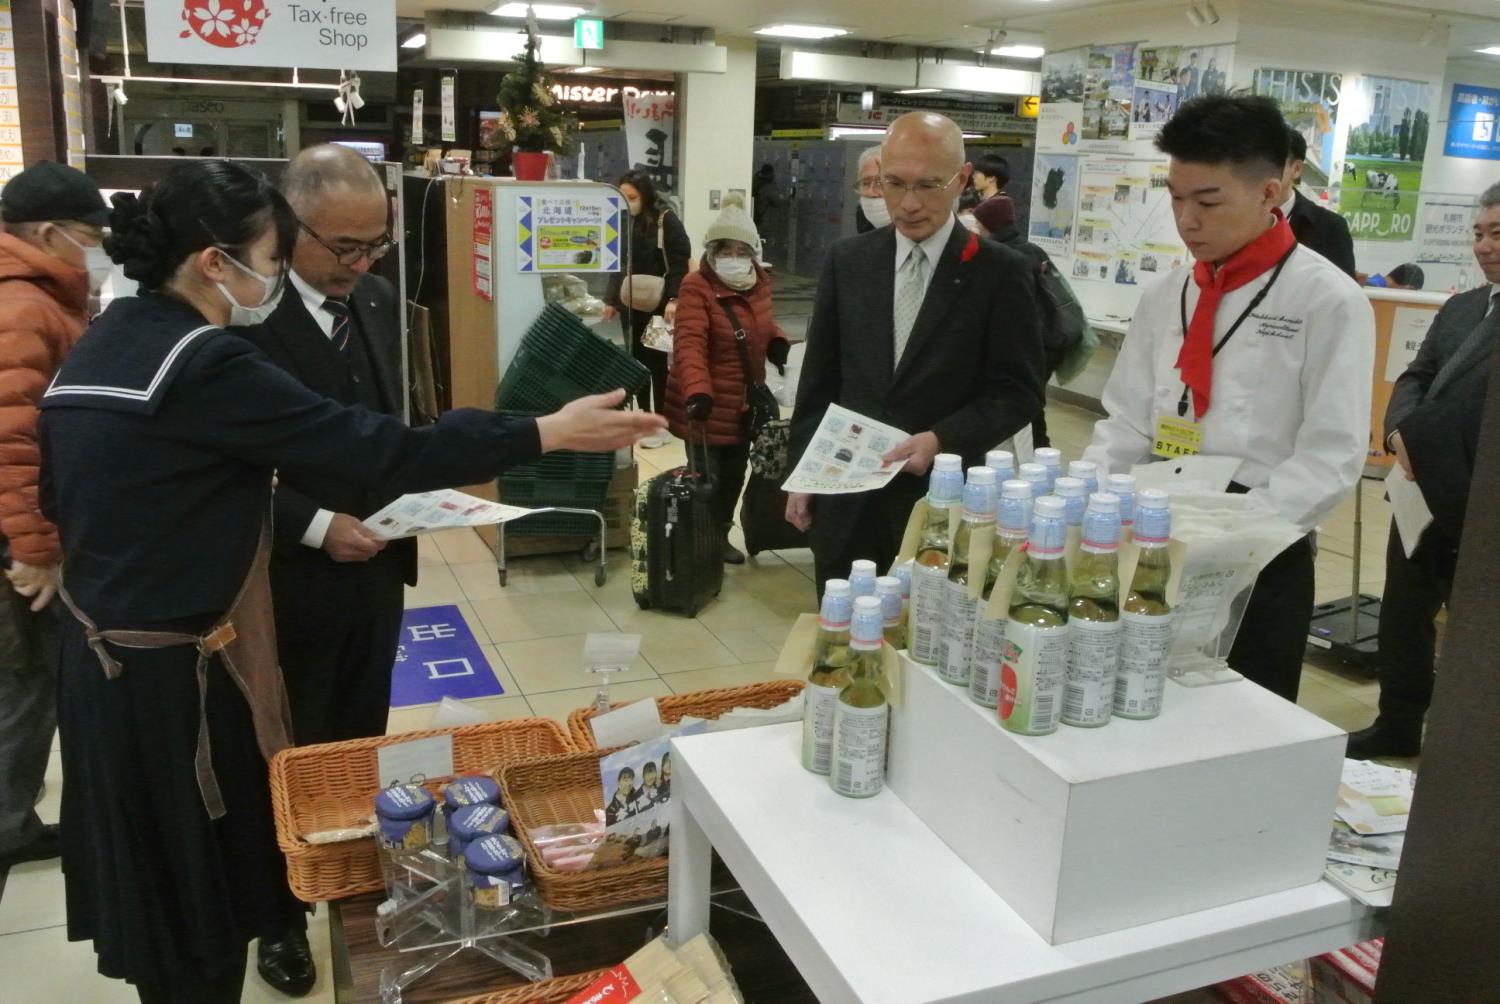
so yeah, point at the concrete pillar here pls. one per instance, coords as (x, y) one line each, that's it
(718, 131)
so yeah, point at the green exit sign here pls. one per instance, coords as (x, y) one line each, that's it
(588, 33)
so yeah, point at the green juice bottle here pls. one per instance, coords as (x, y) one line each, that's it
(960, 612)
(861, 717)
(929, 574)
(892, 595)
(1035, 667)
(1146, 635)
(1094, 617)
(989, 634)
(829, 676)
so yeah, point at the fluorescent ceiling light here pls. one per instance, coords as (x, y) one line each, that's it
(417, 41)
(584, 69)
(839, 132)
(921, 90)
(543, 11)
(1019, 51)
(811, 31)
(1491, 50)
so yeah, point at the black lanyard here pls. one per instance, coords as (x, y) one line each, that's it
(1182, 403)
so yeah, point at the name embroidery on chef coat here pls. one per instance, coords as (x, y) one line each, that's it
(1278, 325)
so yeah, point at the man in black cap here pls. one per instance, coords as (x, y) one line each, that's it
(51, 259)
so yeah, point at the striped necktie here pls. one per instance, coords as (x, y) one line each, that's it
(911, 290)
(340, 334)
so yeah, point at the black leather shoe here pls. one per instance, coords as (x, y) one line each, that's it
(732, 554)
(286, 963)
(43, 846)
(1383, 741)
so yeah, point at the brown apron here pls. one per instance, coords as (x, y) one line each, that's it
(245, 639)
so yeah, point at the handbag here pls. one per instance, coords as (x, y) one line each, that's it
(646, 292)
(761, 406)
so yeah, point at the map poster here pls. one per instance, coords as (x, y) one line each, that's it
(1054, 203)
(1125, 232)
(1389, 121)
(1310, 101)
(1061, 114)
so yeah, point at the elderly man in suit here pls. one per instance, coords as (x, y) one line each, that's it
(1432, 425)
(1315, 228)
(338, 589)
(920, 325)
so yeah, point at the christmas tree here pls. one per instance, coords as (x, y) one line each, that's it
(529, 116)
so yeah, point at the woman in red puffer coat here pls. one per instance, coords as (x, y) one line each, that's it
(707, 380)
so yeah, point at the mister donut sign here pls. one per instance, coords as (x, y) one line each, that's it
(315, 34)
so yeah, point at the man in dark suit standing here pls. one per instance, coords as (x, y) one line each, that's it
(1432, 425)
(338, 589)
(922, 326)
(1315, 228)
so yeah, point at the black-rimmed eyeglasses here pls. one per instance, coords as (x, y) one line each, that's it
(352, 254)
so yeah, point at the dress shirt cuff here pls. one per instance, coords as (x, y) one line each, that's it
(317, 530)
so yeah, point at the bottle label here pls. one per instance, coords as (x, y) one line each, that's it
(859, 736)
(1032, 676)
(1145, 646)
(984, 667)
(817, 726)
(959, 616)
(1093, 659)
(928, 584)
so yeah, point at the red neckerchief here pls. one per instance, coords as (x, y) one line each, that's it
(1196, 359)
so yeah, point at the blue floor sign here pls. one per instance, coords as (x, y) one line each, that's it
(439, 657)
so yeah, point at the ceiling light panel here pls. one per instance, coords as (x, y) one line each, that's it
(803, 31)
(543, 11)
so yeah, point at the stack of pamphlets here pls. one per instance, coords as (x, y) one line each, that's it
(1369, 829)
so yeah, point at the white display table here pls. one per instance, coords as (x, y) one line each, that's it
(1227, 795)
(872, 907)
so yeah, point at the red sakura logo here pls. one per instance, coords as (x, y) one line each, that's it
(228, 24)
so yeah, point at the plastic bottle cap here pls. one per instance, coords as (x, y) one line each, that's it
(982, 475)
(1122, 482)
(866, 604)
(1000, 458)
(1069, 487)
(1051, 507)
(1084, 469)
(837, 587)
(1033, 472)
(1016, 489)
(888, 584)
(862, 567)
(948, 462)
(1104, 502)
(1152, 498)
(1049, 457)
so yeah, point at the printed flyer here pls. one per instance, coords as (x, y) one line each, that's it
(426, 512)
(846, 456)
(569, 233)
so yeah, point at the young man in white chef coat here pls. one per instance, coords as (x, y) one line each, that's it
(1259, 349)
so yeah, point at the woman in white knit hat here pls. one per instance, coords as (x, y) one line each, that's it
(707, 381)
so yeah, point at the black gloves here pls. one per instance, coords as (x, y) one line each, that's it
(776, 352)
(699, 406)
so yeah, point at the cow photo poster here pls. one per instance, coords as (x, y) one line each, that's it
(1389, 122)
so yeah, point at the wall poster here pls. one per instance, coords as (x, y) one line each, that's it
(1108, 88)
(1125, 232)
(1388, 126)
(1471, 123)
(569, 233)
(1054, 202)
(1310, 101)
(1061, 112)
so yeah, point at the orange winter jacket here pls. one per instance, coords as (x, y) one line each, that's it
(43, 311)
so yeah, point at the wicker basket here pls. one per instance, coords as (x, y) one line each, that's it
(554, 991)
(566, 789)
(699, 704)
(333, 785)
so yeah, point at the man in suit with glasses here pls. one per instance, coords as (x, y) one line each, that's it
(920, 325)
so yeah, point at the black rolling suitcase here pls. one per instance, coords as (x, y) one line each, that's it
(677, 558)
(763, 517)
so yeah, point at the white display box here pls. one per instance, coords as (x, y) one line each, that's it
(1228, 795)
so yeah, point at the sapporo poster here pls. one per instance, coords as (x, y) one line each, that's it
(1389, 121)
(569, 233)
(1310, 101)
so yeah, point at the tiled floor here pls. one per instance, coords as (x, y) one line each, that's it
(532, 634)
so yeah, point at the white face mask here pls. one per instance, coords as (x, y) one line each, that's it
(243, 316)
(876, 211)
(731, 268)
(96, 262)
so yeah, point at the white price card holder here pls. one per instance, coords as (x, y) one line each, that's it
(606, 653)
(416, 761)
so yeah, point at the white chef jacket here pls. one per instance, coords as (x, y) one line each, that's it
(1291, 389)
